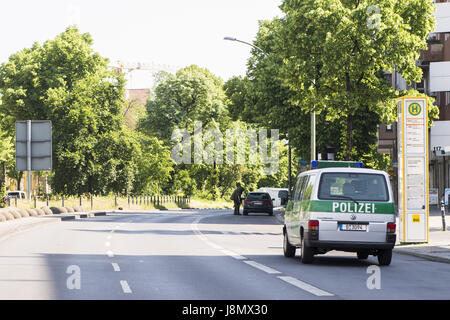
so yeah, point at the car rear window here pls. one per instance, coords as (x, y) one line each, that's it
(353, 186)
(258, 196)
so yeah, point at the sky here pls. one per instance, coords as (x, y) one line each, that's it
(164, 32)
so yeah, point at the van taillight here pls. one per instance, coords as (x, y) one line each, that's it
(313, 225)
(391, 227)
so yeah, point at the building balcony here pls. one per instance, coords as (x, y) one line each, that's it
(435, 52)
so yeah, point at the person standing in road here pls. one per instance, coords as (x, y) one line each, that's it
(237, 197)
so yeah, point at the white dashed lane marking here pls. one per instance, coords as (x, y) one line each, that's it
(291, 280)
(262, 267)
(305, 286)
(125, 287)
(115, 267)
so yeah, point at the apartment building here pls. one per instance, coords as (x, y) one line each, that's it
(435, 64)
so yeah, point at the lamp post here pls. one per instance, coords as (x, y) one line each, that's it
(313, 120)
(247, 43)
(313, 113)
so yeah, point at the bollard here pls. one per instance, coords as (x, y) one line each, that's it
(444, 228)
(80, 202)
(9, 201)
(92, 202)
(47, 199)
(35, 202)
(62, 202)
(128, 200)
(15, 201)
(115, 201)
(158, 201)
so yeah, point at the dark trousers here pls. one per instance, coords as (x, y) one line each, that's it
(237, 204)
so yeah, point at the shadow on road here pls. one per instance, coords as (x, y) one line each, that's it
(177, 232)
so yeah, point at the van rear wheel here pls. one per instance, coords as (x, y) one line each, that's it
(307, 253)
(385, 257)
(288, 249)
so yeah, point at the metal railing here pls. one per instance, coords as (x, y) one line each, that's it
(144, 201)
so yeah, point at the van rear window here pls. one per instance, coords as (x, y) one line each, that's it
(353, 186)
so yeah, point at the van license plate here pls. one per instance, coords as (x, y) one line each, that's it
(353, 227)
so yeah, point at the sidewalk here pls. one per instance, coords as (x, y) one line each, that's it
(438, 247)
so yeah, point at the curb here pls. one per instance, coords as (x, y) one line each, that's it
(47, 219)
(422, 255)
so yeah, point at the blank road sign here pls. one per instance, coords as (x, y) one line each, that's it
(41, 145)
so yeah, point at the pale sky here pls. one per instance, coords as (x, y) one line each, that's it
(171, 32)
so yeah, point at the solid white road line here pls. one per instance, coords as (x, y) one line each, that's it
(125, 287)
(261, 267)
(305, 286)
(107, 243)
(115, 267)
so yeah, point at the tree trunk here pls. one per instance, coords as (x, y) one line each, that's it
(349, 136)
(3, 179)
(19, 178)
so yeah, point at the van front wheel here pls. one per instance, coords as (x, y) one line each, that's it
(307, 253)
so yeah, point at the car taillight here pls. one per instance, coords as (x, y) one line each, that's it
(247, 202)
(313, 225)
(391, 227)
(267, 203)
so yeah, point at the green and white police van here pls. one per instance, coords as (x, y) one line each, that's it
(340, 206)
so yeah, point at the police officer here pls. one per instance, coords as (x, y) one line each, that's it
(236, 197)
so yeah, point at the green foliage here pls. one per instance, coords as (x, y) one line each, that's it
(153, 165)
(193, 94)
(334, 54)
(329, 56)
(183, 182)
(64, 81)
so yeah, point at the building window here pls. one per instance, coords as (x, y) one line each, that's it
(447, 98)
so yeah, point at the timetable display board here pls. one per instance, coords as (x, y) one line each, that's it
(413, 197)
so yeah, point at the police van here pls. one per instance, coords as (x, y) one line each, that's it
(338, 205)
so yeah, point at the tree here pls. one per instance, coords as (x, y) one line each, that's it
(334, 53)
(6, 155)
(192, 94)
(153, 165)
(64, 81)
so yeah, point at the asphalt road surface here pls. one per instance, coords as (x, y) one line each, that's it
(189, 254)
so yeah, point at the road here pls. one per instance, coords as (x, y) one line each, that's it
(189, 254)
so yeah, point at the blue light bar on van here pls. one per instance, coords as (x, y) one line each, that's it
(320, 164)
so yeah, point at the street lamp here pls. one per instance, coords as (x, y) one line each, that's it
(313, 116)
(247, 43)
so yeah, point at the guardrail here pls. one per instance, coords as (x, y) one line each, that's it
(100, 203)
